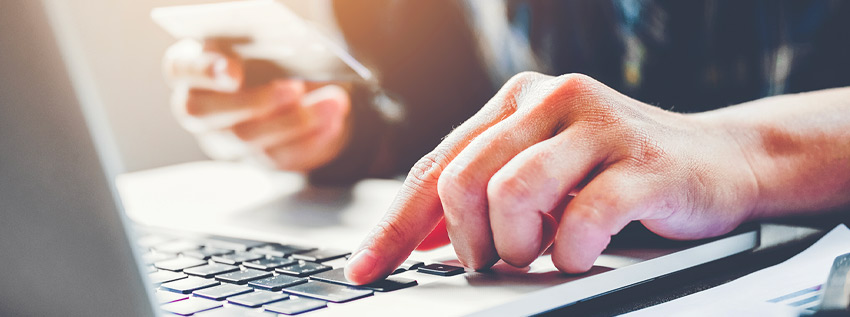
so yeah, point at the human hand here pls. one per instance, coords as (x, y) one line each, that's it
(286, 123)
(564, 162)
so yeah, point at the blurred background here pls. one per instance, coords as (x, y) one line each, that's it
(118, 67)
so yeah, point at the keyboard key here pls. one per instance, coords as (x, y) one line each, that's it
(390, 284)
(206, 253)
(303, 269)
(237, 258)
(236, 311)
(281, 250)
(441, 269)
(160, 277)
(179, 264)
(190, 306)
(223, 291)
(175, 247)
(329, 292)
(233, 243)
(269, 263)
(188, 285)
(211, 270)
(294, 306)
(150, 269)
(320, 255)
(242, 277)
(163, 297)
(276, 283)
(410, 265)
(257, 299)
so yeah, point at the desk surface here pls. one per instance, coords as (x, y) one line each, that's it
(241, 200)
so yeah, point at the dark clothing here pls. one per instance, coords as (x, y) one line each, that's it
(688, 56)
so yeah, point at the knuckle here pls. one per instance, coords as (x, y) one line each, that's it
(577, 82)
(508, 190)
(574, 85)
(589, 213)
(457, 182)
(426, 172)
(514, 90)
(522, 78)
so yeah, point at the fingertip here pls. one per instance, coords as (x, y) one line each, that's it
(362, 267)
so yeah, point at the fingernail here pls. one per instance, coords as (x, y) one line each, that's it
(361, 266)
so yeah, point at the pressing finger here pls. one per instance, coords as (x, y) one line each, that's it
(417, 209)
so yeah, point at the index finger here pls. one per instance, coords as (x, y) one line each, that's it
(417, 209)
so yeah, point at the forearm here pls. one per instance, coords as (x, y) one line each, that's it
(798, 148)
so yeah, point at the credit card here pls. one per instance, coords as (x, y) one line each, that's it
(267, 31)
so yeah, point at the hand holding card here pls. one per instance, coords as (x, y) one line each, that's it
(239, 74)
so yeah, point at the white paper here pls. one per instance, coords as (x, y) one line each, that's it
(785, 289)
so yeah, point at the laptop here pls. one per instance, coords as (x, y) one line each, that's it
(69, 249)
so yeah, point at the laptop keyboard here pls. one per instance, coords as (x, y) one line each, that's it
(217, 276)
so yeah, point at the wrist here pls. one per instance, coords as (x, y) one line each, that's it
(744, 160)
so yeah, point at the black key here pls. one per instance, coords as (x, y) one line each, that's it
(233, 243)
(269, 263)
(320, 255)
(390, 284)
(237, 258)
(258, 298)
(276, 283)
(175, 247)
(179, 264)
(281, 250)
(236, 311)
(206, 253)
(242, 277)
(160, 277)
(223, 291)
(188, 285)
(329, 292)
(408, 265)
(190, 306)
(211, 270)
(441, 269)
(294, 306)
(303, 269)
(163, 297)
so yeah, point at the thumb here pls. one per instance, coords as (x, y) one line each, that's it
(193, 64)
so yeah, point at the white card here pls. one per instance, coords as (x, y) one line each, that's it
(275, 33)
